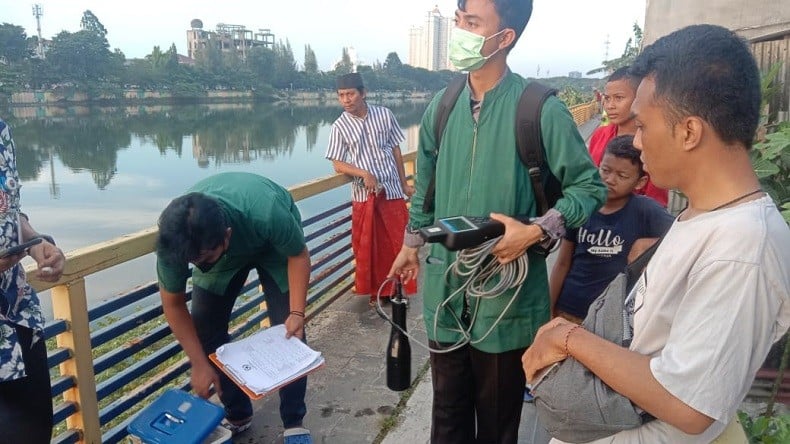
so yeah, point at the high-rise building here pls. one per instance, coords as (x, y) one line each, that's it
(418, 51)
(428, 43)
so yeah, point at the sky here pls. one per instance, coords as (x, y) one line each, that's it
(562, 35)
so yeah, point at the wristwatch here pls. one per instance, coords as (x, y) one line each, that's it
(546, 235)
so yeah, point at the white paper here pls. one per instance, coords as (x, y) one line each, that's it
(266, 359)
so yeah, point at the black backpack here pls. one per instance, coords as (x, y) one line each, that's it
(529, 143)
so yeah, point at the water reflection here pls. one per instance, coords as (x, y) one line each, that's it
(90, 174)
(89, 138)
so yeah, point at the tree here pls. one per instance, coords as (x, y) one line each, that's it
(172, 57)
(630, 52)
(157, 58)
(310, 62)
(392, 63)
(344, 66)
(81, 56)
(13, 43)
(261, 62)
(92, 24)
(284, 65)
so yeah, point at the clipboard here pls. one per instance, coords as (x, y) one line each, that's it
(248, 391)
(266, 361)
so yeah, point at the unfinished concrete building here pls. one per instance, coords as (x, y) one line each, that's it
(229, 38)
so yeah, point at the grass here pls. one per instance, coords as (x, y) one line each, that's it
(389, 423)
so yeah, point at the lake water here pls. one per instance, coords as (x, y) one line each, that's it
(93, 174)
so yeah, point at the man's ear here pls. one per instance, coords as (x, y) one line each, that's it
(641, 182)
(692, 130)
(507, 37)
(228, 233)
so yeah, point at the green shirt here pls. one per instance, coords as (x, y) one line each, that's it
(266, 229)
(478, 172)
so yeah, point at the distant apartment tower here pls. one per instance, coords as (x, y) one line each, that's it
(428, 43)
(229, 38)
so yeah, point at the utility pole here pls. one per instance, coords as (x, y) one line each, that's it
(606, 48)
(37, 13)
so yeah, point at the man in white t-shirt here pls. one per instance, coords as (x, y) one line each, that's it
(716, 294)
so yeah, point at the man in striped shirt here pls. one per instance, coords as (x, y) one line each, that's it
(365, 144)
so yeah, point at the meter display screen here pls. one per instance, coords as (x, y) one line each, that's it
(457, 224)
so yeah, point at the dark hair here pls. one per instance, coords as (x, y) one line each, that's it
(623, 147)
(623, 73)
(513, 14)
(189, 225)
(705, 71)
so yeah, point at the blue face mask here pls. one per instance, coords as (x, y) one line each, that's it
(465, 47)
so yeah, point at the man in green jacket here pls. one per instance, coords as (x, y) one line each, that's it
(478, 386)
(226, 226)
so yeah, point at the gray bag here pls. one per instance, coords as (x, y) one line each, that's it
(572, 403)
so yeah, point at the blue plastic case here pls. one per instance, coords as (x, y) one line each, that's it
(177, 417)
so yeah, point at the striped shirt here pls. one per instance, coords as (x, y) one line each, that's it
(367, 143)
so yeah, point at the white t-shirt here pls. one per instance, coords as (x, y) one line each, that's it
(712, 300)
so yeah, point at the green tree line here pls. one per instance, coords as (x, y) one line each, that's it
(83, 61)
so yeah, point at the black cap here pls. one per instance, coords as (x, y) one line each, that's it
(350, 80)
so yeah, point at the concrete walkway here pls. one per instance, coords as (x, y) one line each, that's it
(348, 401)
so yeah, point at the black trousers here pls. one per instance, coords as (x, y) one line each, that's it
(211, 316)
(477, 396)
(26, 403)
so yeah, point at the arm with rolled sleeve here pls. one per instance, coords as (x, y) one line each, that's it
(406, 264)
(568, 159)
(172, 290)
(427, 152)
(283, 230)
(582, 189)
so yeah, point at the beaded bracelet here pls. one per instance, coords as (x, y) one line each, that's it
(568, 336)
(297, 313)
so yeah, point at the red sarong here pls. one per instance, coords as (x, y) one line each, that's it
(377, 227)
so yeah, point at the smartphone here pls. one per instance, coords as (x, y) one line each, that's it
(16, 249)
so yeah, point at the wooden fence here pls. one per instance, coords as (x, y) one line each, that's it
(767, 54)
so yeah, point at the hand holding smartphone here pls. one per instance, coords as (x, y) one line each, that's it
(16, 249)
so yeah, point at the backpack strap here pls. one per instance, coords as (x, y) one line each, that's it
(446, 104)
(529, 141)
(634, 270)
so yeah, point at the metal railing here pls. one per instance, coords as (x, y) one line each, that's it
(107, 361)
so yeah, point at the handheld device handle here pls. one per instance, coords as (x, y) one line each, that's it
(16, 249)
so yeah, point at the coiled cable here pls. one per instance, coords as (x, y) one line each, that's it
(483, 278)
